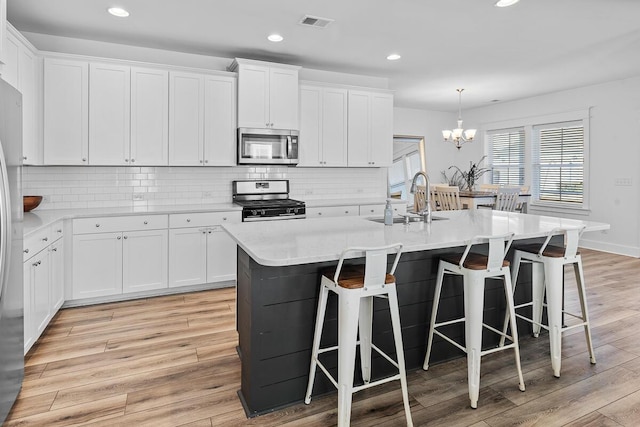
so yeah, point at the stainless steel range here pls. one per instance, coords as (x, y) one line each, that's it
(267, 200)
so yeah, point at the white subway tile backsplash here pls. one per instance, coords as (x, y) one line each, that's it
(103, 186)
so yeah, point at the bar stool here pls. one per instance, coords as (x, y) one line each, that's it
(547, 273)
(475, 268)
(355, 287)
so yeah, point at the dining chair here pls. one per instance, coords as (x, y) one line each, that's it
(448, 197)
(493, 188)
(524, 189)
(507, 199)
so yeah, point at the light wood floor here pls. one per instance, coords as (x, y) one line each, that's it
(171, 361)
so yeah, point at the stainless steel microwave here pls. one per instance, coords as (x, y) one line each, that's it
(267, 147)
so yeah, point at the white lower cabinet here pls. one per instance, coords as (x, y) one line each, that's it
(188, 257)
(111, 262)
(43, 271)
(378, 209)
(200, 251)
(333, 211)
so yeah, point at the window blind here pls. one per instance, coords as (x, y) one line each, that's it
(507, 156)
(559, 162)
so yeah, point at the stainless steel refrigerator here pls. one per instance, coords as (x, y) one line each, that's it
(11, 285)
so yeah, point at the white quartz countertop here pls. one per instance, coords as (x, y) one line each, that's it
(291, 242)
(350, 202)
(37, 219)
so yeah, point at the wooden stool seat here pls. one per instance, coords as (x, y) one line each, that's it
(549, 250)
(352, 276)
(473, 261)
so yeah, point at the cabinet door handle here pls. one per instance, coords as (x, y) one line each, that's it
(24, 158)
(54, 249)
(45, 239)
(224, 218)
(188, 219)
(133, 160)
(59, 231)
(119, 237)
(26, 251)
(125, 237)
(97, 225)
(206, 161)
(146, 222)
(126, 160)
(200, 161)
(84, 159)
(37, 263)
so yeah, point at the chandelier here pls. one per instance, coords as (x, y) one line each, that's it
(459, 136)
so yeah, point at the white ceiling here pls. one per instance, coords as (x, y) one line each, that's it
(534, 47)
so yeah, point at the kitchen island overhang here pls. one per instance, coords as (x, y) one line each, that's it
(278, 282)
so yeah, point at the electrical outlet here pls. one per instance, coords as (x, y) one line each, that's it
(622, 182)
(138, 197)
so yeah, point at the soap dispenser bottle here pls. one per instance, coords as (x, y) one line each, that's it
(388, 213)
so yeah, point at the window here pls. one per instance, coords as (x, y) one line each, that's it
(558, 160)
(506, 154)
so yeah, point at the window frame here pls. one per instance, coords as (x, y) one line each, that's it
(529, 123)
(492, 165)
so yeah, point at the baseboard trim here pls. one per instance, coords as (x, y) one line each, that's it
(611, 248)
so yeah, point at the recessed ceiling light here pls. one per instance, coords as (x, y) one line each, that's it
(275, 38)
(393, 57)
(505, 3)
(118, 11)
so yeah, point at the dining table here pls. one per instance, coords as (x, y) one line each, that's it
(473, 199)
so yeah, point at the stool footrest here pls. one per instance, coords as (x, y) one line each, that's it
(376, 382)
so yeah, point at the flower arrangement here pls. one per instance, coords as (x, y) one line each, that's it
(465, 180)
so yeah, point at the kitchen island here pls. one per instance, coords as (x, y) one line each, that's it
(278, 283)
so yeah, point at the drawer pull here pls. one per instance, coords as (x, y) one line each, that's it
(59, 231)
(54, 249)
(45, 239)
(224, 218)
(97, 225)
(146, 222)
(125, 237)
(26, 251)
(37, 263)
(188, 219)
(119, 237)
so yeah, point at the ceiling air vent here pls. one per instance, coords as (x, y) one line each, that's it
(315, 21)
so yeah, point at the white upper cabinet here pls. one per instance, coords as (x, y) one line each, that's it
(109, 114)
(267, 95)
(370, 129)
(323, 126)
(21, 71)
(219, 121)
(186, 118)
(202, 120)
(66, 111)
(3, 29)
(149, 117)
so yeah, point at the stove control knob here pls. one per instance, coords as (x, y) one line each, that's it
(254, 212)
(262, 212)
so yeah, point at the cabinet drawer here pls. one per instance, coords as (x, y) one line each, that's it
(36, 242)
(119, 223)
(203, 219)
(378, 210)
(57, 231)
(331, 211)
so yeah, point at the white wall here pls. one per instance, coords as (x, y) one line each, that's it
(614, 146)
(429, 124)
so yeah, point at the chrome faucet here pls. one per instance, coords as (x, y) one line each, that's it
(426, 211)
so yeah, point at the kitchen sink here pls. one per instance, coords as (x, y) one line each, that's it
(401, 220)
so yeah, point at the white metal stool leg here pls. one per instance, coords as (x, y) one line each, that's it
(317, 335)
(473, 310)
(434, 313)
(365, 330)
(397, 337)
(348, 314)
(537, 294)
(553, 272)
(582, 293)
(508, 292)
